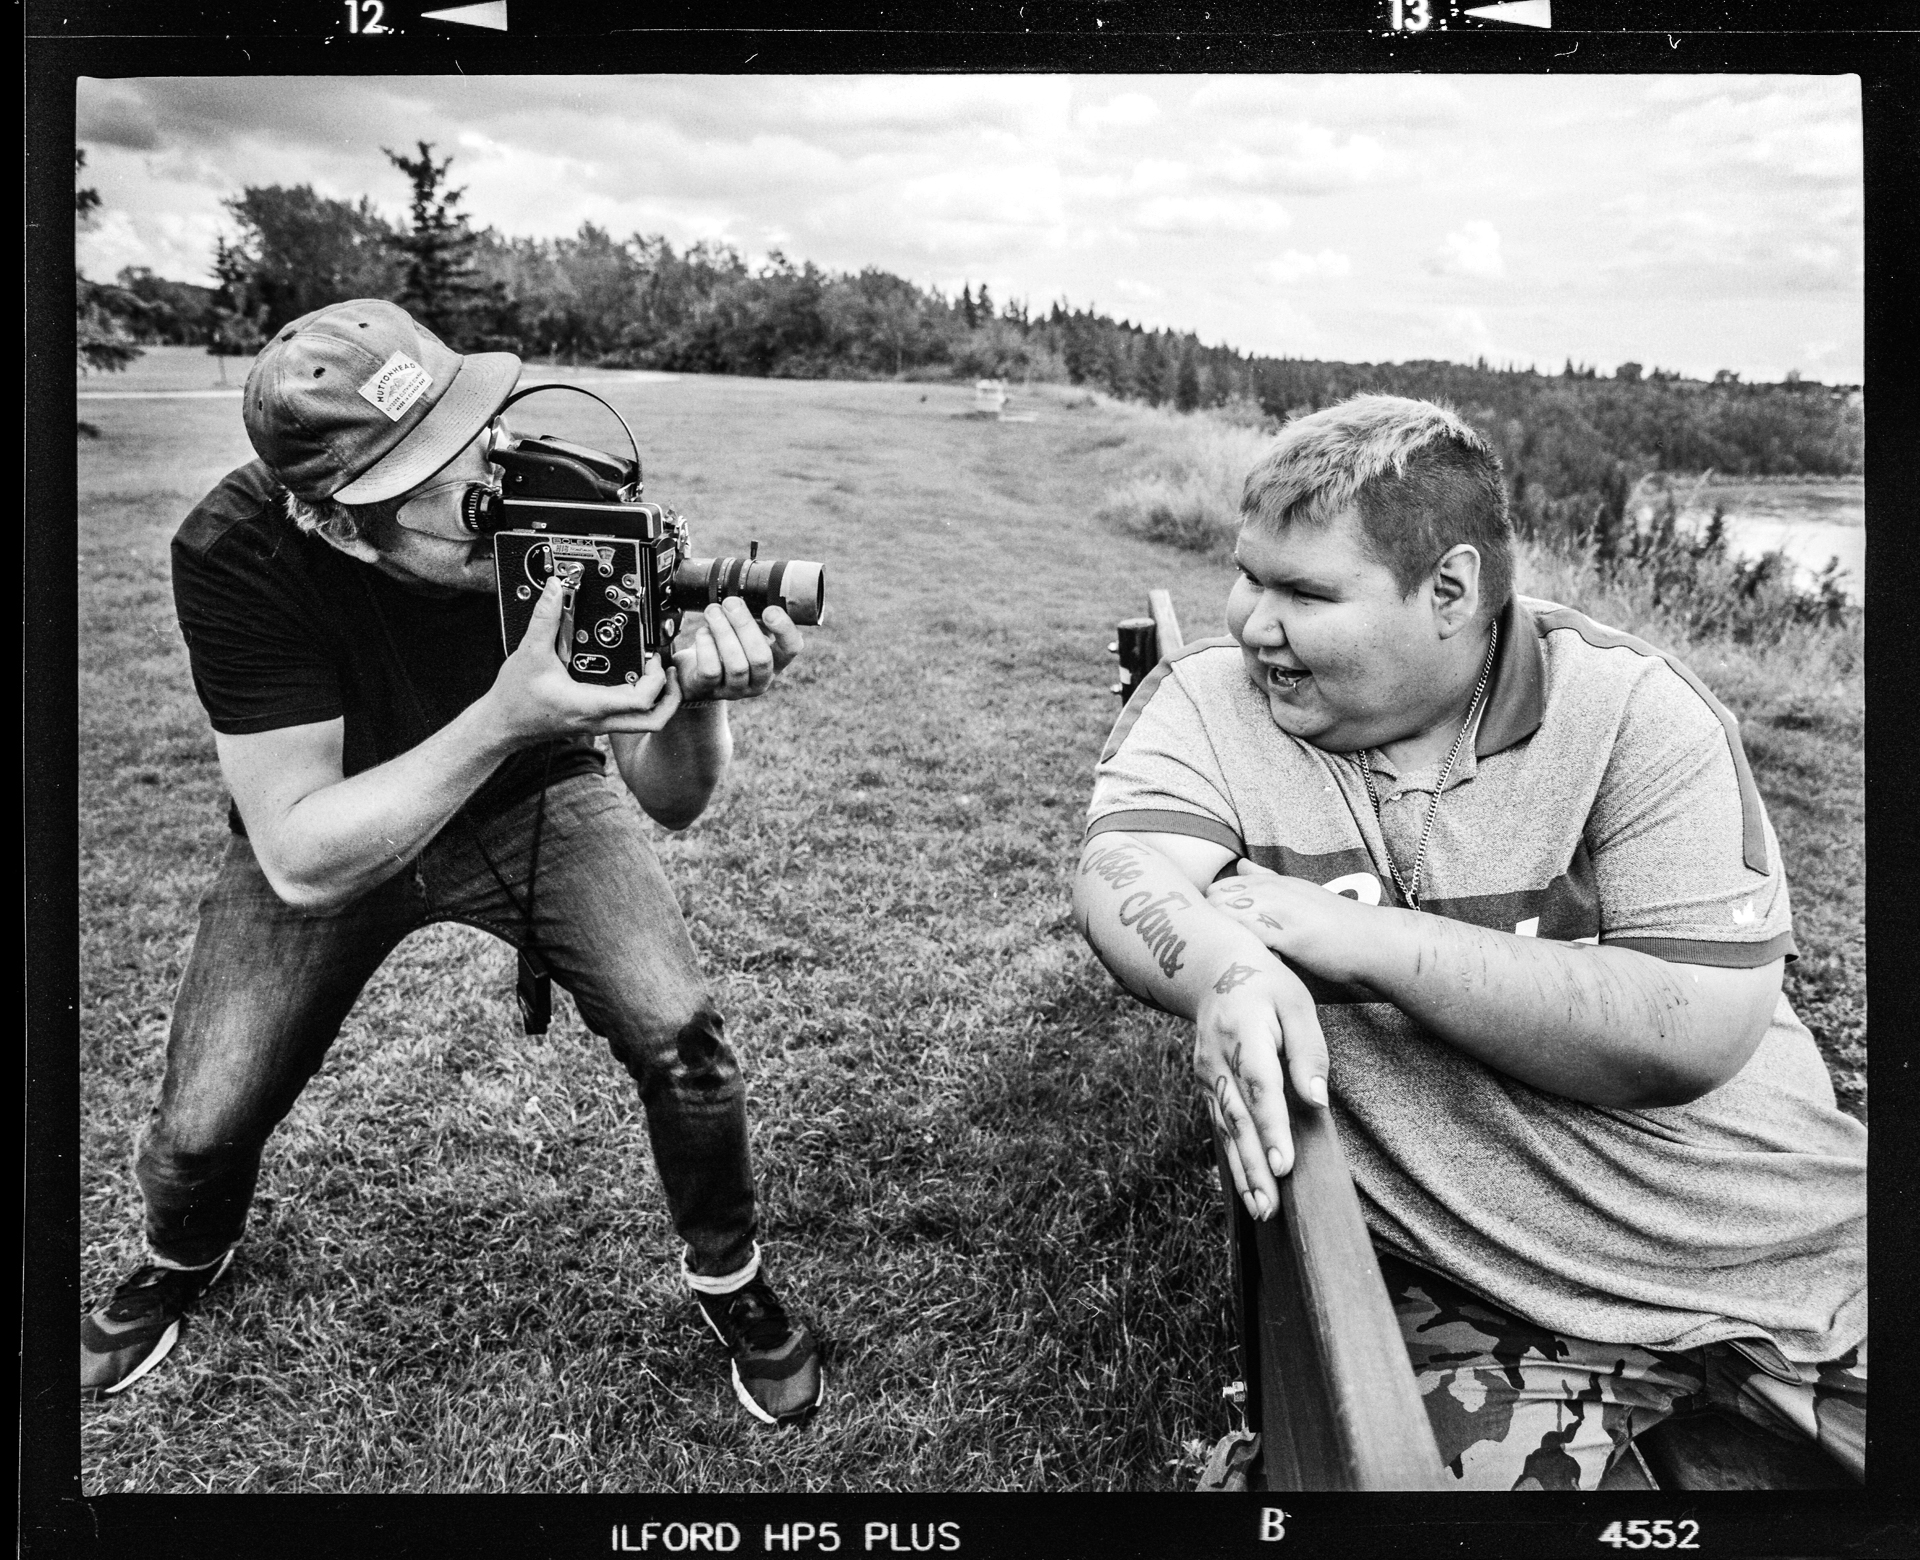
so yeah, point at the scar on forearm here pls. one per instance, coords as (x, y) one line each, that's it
(1152, 921)
(1233, 975)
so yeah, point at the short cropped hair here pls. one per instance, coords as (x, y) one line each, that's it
(345, 524)
(1420, 479)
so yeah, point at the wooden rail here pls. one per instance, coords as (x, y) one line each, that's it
(1329, 1388)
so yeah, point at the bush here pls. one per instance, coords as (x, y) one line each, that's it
(1187, 493)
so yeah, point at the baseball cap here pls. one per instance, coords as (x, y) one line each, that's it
(359, 401)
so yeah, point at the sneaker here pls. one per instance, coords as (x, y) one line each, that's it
(138, 1327)
(776, 1365)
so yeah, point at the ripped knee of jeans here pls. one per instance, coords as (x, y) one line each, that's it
(693, 1050)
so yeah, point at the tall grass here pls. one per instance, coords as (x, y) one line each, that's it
(1185, 491)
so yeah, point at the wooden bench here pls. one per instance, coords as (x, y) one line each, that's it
(1330, 1393)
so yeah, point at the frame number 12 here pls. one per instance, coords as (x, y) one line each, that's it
(366, 16)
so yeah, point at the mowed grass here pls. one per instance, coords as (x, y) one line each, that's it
(984, 1170)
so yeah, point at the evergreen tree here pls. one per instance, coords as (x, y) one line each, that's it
(1186, 388)
(966, 305)
(102, 342)
(239, 326)
(439, 287)
(1152, 370)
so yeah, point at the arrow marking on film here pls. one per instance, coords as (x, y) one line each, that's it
(1523, 13)
(493, 14)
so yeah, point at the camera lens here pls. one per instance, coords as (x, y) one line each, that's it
(797, 585)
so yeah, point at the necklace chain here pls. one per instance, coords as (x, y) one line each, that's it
(1410, 887)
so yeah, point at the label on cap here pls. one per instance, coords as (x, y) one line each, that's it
(398, 384)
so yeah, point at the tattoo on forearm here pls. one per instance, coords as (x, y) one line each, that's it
(1233, 1061)
(1251, 1091)
(1233, 975)
(1152, 920)
(1116, 865)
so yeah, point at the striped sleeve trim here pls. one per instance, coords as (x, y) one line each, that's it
(1718, 955)
(1753, 832)
(1165, 821)
(1149, 685)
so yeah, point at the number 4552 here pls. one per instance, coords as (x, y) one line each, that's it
(1651, 1535)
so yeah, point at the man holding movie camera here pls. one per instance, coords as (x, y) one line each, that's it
(1598, 1153)
(390, 766)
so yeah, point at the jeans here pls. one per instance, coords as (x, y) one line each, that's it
(267, 987)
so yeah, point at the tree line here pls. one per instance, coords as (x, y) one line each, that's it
(1573, 442)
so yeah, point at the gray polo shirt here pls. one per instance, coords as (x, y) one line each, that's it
(1606, 798)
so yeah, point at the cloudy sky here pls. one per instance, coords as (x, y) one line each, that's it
(1690, 222)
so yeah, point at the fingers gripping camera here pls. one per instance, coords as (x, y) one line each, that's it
(569, 509)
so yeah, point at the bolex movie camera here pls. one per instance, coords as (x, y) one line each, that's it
(569, 509)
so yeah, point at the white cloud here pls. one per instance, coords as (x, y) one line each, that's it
(1127, 111)
(1471, 250)
(1145, 291)
(1789, 133)
(1017, 196)
(1692, 251)
(1158, 176)
(1306, 158)
(1212, 214)
(170, 244)
(1463, 332)
(1023, 105)
(1296, 266)
(1374, 101)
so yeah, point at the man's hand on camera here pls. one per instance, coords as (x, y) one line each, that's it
(535, 698)
(722, 653)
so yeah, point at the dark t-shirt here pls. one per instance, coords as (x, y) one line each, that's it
(283, 629)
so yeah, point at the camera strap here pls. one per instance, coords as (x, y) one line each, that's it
(533, 981)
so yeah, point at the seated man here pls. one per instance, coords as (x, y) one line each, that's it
(1599, 1154)
(390, 766)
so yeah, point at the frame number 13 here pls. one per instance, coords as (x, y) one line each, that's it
(1411, 15)
(1651, 1535)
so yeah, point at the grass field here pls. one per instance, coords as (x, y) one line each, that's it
(984, 1170)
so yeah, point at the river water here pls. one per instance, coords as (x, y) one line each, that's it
(1811, 521)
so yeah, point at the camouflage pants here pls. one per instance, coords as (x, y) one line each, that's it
(1515, 1407)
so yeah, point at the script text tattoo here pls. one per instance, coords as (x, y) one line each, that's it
(1152, 920)
(1117, 866)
